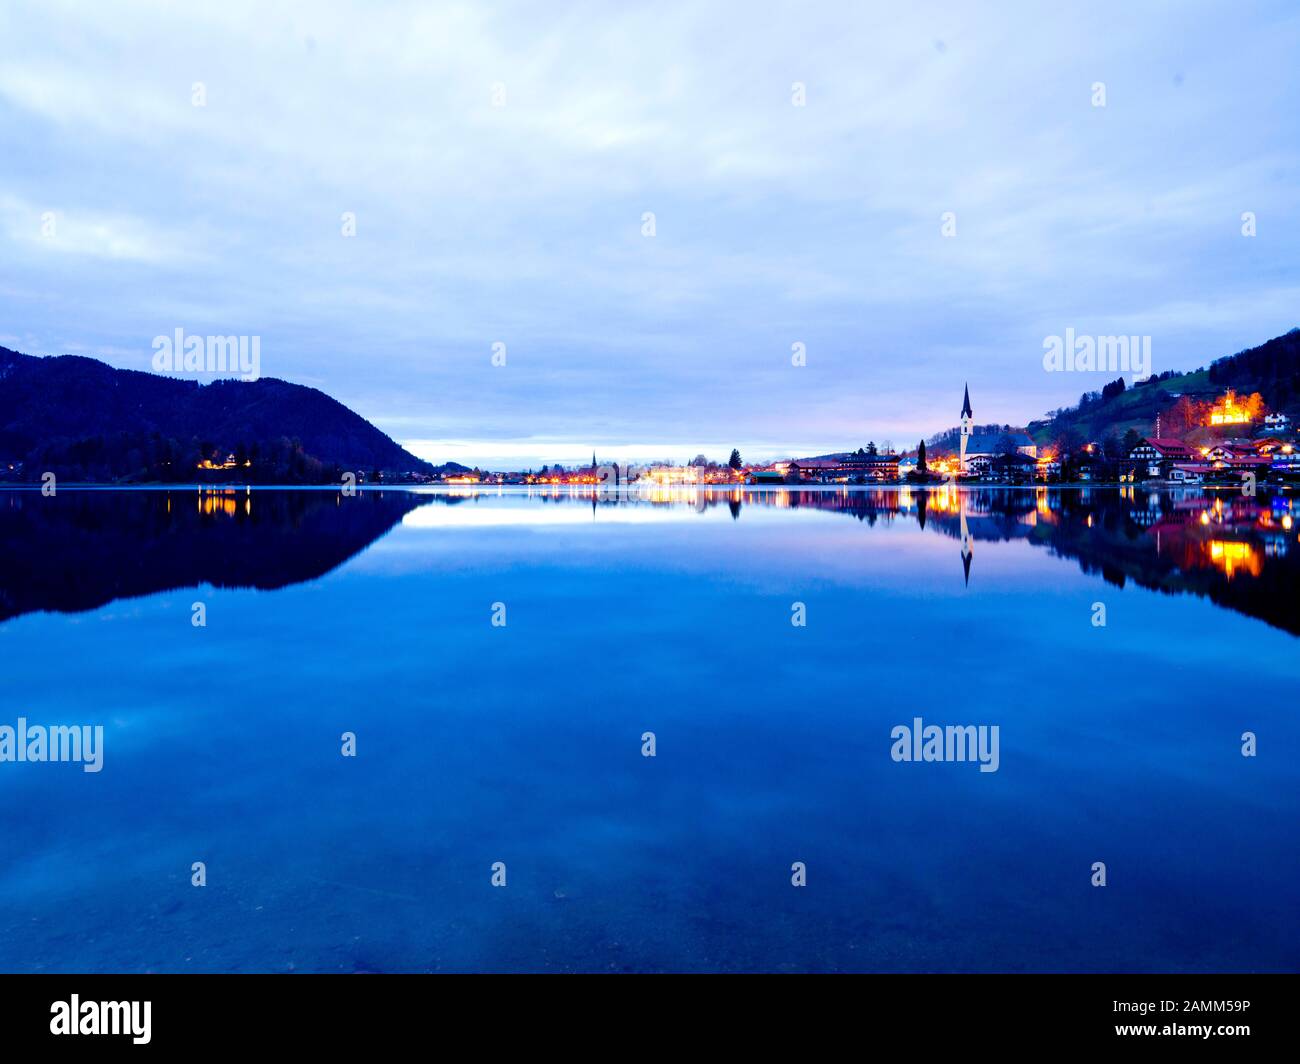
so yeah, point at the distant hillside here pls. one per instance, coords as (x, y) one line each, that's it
(1272, 369)
(84, 420)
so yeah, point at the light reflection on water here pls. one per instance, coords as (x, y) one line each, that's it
(672, 614)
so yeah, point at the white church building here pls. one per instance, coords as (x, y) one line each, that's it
(979, 449)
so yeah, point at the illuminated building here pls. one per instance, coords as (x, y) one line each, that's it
(1188, 472)
(1285, 461)
(979, 449)
(1157, 456)
(1227, 412)
(667, 474)
(846, 467)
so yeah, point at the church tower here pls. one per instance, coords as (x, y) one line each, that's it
(965, 425)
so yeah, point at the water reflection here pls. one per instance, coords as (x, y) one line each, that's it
(1241, 552)
(668, 613)
(80, 550)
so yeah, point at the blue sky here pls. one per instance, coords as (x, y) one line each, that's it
(774, 224)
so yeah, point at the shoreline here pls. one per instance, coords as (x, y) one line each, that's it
(634, 489)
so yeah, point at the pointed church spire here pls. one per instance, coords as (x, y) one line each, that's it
(965, 403)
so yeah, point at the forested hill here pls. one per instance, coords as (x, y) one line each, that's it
(1270, 372)
(1267, 377)
(86, 421)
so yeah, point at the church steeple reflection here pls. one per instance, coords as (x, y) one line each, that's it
(967, 549)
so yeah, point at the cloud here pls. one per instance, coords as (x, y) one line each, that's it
(99, 236)
(522, 223)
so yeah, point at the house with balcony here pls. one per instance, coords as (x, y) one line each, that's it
(1285, 462)
(1189, 472)
(1237, 456)
(1155, 456)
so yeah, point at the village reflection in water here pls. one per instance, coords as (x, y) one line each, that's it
(86, 548)
(1227, 530)
(1241, 551)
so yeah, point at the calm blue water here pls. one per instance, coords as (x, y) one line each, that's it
(522, 743)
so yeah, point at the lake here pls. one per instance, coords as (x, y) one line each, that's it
(500, 657)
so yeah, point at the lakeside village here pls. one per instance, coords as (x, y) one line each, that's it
(1216, 443)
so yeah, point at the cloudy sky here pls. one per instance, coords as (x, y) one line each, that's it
(500, 160)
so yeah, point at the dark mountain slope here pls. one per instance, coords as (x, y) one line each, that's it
(83, 416)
